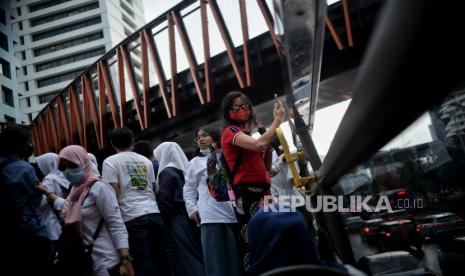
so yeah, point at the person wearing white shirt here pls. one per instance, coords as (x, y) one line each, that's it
(133, 178)
(56, 182)
(90, 203)
(217, 220)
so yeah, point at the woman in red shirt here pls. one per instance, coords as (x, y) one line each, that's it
(251, 180)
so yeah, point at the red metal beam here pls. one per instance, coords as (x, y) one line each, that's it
(345, 6)
(227, 41)
(133, 85)
(75, 116)
(37, 145)
(245, 38)
(145, 80)
(53, 128)
(335, 36)
(190, 55)
(152, 49)
(206, 50)
(63, 121)
(89, 93)
(85, 115)
(122, 87)
(173, 66)
(270, 23)
(102, 106)
(103, 74)
(43, 131)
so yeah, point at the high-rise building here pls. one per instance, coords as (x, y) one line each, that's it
(9, 95)
(58, 39)
(453, 111)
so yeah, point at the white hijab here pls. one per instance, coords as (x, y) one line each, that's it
(48, 165)
(94, 165)
(170, 154)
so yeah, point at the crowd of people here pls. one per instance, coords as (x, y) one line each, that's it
(149, 210)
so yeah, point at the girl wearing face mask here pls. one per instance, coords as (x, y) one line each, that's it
(55, 182)
(90, 202)
(217, 220)
(251, 180)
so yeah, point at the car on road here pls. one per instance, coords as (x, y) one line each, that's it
(353, 223)
(441, 225)
(370, 230)
(398, 235)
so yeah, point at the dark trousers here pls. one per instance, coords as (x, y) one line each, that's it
(147, 245)
(248, 198)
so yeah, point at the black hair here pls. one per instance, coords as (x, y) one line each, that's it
(14, 138)
(189, 152)
(143, 147)
(228, 102)
(122, 138)
(214, 133)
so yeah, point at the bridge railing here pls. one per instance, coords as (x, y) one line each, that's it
(77, 115)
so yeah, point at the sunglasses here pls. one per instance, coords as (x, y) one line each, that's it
(236, 108)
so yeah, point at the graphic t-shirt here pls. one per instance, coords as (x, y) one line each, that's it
(252, 166)
(136, 178)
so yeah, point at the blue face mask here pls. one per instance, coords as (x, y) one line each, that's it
(74, 175)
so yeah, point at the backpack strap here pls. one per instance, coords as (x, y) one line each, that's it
(237, 163)
(97, 231)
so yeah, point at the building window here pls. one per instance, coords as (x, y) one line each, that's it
(20, 25)
(127, 32)
(26, 86)
(21, 40)
(128, 21)
(28, 102)
(23, 55)
(3, 41)
(5, 68)
(8, 96)
(127, 9)
(46, 98)
(59, 78)
(68, 44)
(2, 16)
(24, 70)
(47, 4)
(9, 119)
(18, 11)
(69, 59)
(67, 28)
(63, 14)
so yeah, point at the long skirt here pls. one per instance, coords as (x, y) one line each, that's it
(219, 247)
(183, 246)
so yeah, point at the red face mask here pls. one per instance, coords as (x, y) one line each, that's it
(240, 116)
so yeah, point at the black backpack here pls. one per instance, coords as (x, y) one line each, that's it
(73, 256)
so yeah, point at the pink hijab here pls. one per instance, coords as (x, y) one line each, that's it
(72, 207)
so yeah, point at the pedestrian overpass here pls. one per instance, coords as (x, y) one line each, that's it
(139, 84)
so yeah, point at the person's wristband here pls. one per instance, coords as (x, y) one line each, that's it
(126, 258)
